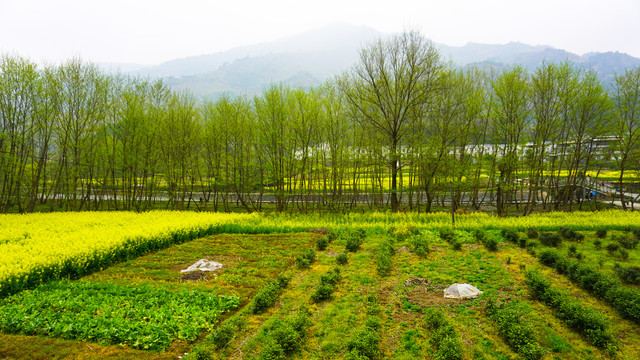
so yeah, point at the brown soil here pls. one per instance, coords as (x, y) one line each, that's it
(424, 293)
(194, 276)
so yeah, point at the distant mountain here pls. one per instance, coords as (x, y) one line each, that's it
(607, 65)
(309, 58)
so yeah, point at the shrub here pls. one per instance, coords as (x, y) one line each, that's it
(532, 248)
(624, 254)
(510, 235)
(457, 245)
(322, 243)
(268, 295)
(629, 275)
(331, 277)
(332, 235)
(420, 245)
(532, 233)
(384, 257)
(626, 241)
(353, 243)
(522, 242)
(636, 233)
(612, 248)
(548, 257)
(223, 334)
(284, 337)
(570, 234)
(597, 243)
(566, 233)
(373, 308)
(199, 352)
(328, 282)
(304, 261)
(601, 233)
(444, 337)
(364, 344)
(323, 292)
(342, 259)
(447, 234)
(403, 232)
(515, 332)
(549, 239)
(491, 244)
(480, 235)
(359, 233)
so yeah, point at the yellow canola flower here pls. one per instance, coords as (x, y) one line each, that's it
(30, 243)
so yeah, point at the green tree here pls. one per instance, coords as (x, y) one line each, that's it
(627, 122)
(391, 81)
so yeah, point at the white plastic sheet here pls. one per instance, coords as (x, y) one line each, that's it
(203, 265)
(462, 291)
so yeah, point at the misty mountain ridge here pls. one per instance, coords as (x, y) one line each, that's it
(310, 58)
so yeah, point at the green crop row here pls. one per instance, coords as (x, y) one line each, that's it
(583, 319)
(625, 300)
(444, 337)
(515, 331)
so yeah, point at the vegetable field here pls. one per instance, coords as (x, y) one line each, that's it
(357, 286)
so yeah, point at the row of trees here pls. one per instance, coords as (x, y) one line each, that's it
(400, 129)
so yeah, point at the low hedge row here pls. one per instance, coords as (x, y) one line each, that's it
(515, 332)
(625, 300)
(580, 318)
(444, 337)
(268, 295)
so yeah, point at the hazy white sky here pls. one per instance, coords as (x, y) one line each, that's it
(153, 31)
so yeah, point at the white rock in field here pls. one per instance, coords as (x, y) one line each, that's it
(203, 265)
(461, 291)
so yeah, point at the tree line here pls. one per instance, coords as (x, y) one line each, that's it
(402, 129)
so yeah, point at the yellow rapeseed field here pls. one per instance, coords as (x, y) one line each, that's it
(46, 246)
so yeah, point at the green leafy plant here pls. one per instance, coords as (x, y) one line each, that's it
(113, 314)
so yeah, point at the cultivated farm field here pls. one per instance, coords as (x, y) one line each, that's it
(356, 286)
